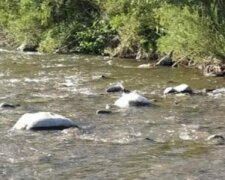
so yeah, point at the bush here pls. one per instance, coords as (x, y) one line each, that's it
(188, 33)
(56, 24)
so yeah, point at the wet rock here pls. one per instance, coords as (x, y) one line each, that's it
(103, 112)
(43, 121)
(182, 88)
(117, 88)
(5, 105)
(27, 48)
(169, 90)
(166, 60)
(132, 99)
(216, 139)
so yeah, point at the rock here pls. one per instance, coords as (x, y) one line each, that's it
(182, 88)
(27, 48)
(169, 90)
(43, 121)
(5, 105)
(116, 88)
(132, 99)
(103, 112)
(216, 139)
(166, 60)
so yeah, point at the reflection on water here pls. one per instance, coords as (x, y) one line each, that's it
(165, 141)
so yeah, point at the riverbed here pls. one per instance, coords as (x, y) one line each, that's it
(164, 141)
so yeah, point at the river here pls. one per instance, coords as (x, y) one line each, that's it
(163, 141)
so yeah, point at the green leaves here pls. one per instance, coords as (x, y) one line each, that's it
(128, 27)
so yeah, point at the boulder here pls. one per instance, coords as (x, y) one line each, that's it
(116, 88)
(132, 99)
(43, 121)
(169, 90)
(182, 88)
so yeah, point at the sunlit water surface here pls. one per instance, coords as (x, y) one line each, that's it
(133, 143)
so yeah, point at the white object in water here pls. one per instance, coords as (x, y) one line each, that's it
(43, 120)
(169, 90)
(145, 66)
(182, 88)
(132, 99)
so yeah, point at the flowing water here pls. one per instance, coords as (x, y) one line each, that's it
(163, 141)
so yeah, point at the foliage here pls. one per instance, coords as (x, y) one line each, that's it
(192, 30)
(135, 24)
(56, 24)
(129, 27)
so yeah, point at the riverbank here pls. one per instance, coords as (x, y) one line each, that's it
(209, 66)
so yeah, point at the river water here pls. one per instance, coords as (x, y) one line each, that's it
(163, 141)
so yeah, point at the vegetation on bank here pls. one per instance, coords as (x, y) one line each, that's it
(125, 28)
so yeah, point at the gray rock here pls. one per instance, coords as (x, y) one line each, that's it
(117, 88)
(5, 105)
(182, 88)
(216, 139)
(43, 121)
(169, 90)
(132, 99)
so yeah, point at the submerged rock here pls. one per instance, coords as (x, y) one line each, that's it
(43, 121)
(5, 105)
(182, 88)
(132, 99)
(103, 112)
(216, 139)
